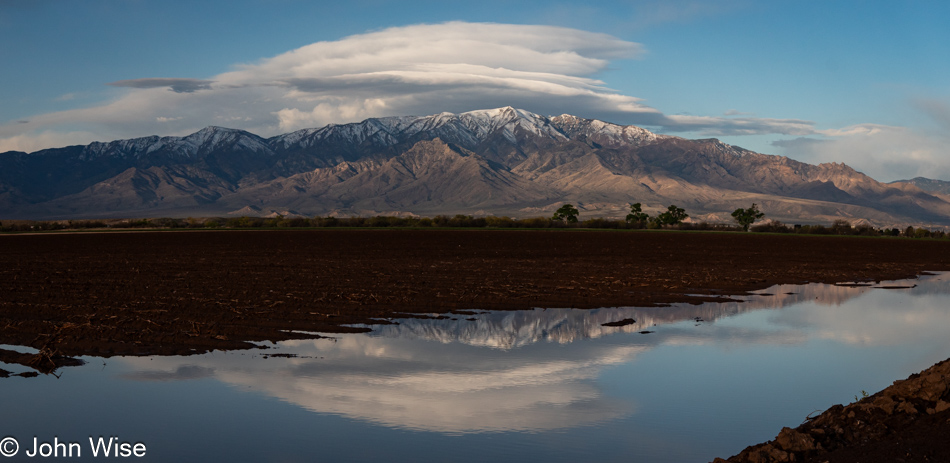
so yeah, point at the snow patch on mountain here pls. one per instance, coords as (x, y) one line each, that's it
(203, 141)
(604, 133)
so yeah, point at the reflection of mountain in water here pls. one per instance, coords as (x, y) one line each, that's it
(438, 375)
(508, 330)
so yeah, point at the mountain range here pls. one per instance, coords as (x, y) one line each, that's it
(501, 161)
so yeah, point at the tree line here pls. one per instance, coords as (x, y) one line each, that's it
(567, 216)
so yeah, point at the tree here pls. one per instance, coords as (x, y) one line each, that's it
(673, 215)
(746, 217)
(566, 212)
(636, 214)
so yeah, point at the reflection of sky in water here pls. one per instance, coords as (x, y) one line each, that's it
(553, 385)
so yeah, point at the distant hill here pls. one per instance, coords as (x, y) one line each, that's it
(501, 161)
(929, 185)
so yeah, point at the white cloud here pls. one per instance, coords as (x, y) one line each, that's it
(36, 141)
(886, 153)
(723, 126)
(413, 70)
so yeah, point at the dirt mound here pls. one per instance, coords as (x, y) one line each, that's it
(906, 422)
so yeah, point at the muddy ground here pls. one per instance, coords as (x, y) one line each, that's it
(183, 292)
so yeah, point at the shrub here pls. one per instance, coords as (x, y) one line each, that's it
(773, 226)
(841, 227)
(245, 222)
(499, 222)
(922, 233)
(814, 230)
(536, 222)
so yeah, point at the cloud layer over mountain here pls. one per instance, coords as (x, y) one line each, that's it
(421, 69)
(455, 67)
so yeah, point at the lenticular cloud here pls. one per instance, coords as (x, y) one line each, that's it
(412, 70)
(421, 69)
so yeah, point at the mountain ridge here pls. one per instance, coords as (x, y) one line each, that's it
(504, 160)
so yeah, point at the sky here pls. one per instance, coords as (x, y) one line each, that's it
(866, 83)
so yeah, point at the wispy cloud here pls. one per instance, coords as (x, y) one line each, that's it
(177, 85)
(735, 112)
(724, 126)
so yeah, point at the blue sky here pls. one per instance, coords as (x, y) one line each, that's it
(860, 82)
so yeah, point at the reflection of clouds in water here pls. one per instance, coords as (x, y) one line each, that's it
(866, 315)
(458, 392)
(514, 371)
(884, 317)
(181, 373)
(731, 336)
(427, 386)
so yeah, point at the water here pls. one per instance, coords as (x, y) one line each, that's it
(543, 385)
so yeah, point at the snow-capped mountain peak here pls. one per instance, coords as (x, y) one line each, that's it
(485, 122)
(213, 137)
(468, 129)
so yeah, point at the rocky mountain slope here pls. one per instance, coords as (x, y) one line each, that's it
(502, 161)
(938, 188)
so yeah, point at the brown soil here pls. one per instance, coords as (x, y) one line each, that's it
(107, 294)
